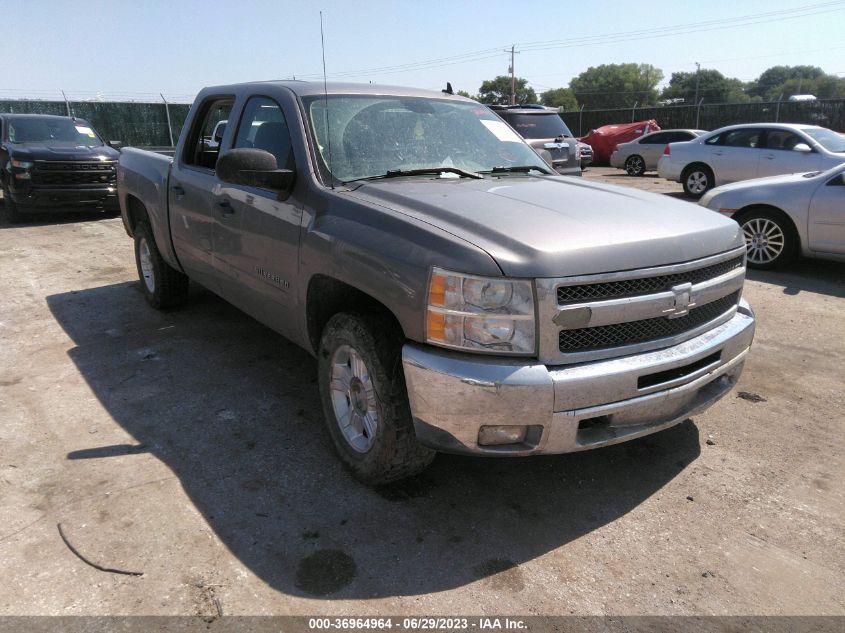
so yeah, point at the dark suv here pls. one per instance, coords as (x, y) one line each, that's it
(544, 130)
(55, 163)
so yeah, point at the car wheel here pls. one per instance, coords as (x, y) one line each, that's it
(770, 239)
(13, 215)
(635, 165)
(697, 180)
(162, 285)
(365, 402)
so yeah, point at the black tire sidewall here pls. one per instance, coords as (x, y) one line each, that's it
(13, 215)
(383, 361)
(143, 232)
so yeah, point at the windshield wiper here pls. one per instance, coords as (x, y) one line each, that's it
(518, 169)
(426, 171)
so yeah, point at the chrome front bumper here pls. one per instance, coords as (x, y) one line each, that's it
(575, 407)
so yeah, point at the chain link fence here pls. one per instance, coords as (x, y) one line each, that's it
(828, 113)
(140, 124)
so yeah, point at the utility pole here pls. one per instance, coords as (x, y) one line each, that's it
(697, 73)
(513, 52)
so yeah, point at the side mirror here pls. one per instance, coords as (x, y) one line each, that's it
(546, 155)
(253, 168)
(803, 148)
(118, 145)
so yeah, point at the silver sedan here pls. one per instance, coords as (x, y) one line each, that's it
(641, 155)
(784, 216)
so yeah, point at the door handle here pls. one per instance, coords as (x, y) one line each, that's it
(225, 208)
(177, 189)
(769, 157)
(718, 153)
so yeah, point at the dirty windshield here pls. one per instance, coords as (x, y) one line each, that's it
(55, 132)
(372, 135)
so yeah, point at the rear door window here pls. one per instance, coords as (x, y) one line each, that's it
(746, 137)
(201, 149)
(661, 138)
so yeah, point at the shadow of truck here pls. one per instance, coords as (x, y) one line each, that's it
(233, 410)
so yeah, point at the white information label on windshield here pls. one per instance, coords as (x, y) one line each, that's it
(82, 129)
(501, 131)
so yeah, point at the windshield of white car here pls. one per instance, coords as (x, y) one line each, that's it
(52, 131)
(828, 139)
(371, 135)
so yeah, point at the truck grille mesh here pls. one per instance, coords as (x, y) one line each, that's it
(74, 173)
(607, 336)
(647, 285)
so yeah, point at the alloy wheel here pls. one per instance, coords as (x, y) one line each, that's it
(764, 240)
(353, 398)
(146, 259)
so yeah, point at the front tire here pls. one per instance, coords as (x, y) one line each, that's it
(365, 402)
(635, 165)
(163, 286)
(697, 180)
(770, 239)
(13, 215)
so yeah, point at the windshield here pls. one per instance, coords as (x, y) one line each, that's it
(828, 139)
(53, 131)
(538, 125)
(371, 135)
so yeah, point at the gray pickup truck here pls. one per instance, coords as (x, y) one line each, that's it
(458, 295)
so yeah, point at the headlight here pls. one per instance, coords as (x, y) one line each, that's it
(22, 164)
(489, 314)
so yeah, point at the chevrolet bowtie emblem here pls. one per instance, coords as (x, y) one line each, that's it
(683, 301)
(573, 318)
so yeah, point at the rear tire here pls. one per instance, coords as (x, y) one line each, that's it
(162, 285)
(635, 165)
(697, 180)
(770, 239)
(365, 401)
(13, 215)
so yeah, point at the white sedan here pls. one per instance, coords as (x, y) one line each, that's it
(641, 155)
(784, 216)
(754, 150)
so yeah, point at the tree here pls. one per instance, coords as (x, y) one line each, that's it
(713, 87)
(464, 93)
(559, 97)
(498, 91)
(786, 80)
(617, 85)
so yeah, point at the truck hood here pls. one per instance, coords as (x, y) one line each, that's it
(45, 151)
(557, 226)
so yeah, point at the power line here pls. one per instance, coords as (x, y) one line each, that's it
(610, 38)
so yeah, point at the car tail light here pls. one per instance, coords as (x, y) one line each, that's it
(666, 151)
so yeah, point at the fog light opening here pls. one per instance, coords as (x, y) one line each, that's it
(594, 423)
(501, 434)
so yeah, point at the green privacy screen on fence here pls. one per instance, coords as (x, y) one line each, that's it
(825, 112)
(145, 124)
(142, 124)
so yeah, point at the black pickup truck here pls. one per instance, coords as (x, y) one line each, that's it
(55, 163)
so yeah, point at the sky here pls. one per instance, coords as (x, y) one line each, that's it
(128, 50)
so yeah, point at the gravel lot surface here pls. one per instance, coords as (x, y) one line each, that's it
(189, 446)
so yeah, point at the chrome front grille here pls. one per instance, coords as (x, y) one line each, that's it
(619, 334)
(593, 317)
(645, 285)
